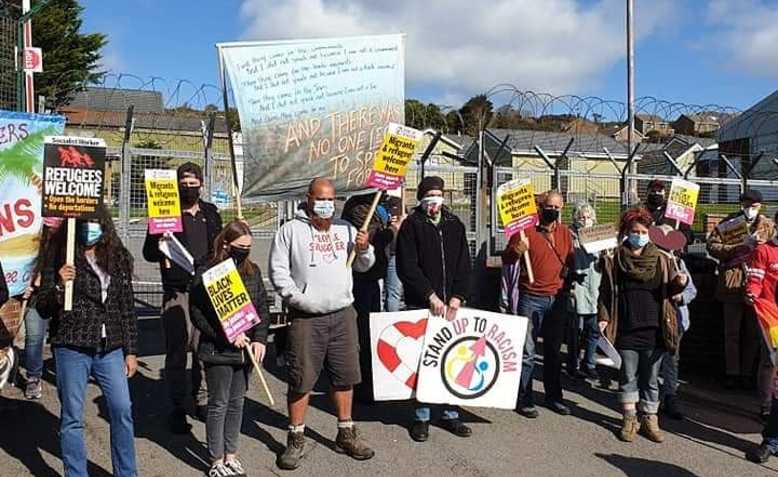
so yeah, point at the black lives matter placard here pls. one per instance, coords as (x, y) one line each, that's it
(73, 176)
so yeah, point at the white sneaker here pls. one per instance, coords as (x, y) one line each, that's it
(235, 466)
(220, 470)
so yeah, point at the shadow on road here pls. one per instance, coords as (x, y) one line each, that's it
(26, 446)
(635, 467)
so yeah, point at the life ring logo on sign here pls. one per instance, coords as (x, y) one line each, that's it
(471, 366)
(389, 350)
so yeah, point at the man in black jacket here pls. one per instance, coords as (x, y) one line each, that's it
(433, 261)
(202, 223)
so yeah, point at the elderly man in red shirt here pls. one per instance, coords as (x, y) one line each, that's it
(550, 248)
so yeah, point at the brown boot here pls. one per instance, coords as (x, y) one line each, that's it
(629, 429)
(649, 427)
(349, 442)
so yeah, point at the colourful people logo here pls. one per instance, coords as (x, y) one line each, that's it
(470, 367)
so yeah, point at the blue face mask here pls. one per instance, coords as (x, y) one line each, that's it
(638, 240)
(90, 233)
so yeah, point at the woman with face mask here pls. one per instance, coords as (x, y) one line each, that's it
(227, 366)
(637, 315)
(98, 338)
(583, 304)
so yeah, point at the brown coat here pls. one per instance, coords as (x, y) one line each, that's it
(732, 259)
(608, 304)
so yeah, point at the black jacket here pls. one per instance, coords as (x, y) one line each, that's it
(214, 347)
(3, 287)
(82, 326)
(381, 236)
(176, 278)
(433, 258)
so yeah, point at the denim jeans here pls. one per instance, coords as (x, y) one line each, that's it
(393, 287)
(226, 393)
(770, 433)
(536, 308)
(669, 372)
(74, 366)
(640, 378)
(582, 328)
(33, 342)
(424, 413)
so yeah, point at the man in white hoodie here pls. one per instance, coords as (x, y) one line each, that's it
(308, 269)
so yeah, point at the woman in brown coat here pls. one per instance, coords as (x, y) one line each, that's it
(636, 314)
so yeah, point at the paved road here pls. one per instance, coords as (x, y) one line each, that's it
(711, 443)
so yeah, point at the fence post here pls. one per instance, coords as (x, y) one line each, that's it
(125, 194)
(208, 151)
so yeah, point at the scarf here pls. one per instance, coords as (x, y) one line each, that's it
(641, 267)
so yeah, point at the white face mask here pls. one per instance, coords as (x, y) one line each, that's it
(324, 209)
(585, 223)
(750, 212)
(432, 205)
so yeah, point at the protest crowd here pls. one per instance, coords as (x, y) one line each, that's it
(633, 297)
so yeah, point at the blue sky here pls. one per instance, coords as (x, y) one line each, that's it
(690, 51)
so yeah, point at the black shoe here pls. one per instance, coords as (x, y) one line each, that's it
(456, 427)
(574, 373)
(760, 455)
(730, 383)
(592, 374)
(671, 410)
(530, 412)
(420, 431)
(176, 422)
(559, 408)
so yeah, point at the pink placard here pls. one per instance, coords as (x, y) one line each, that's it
(678, 212)
(166, 224)
(522, 224)
(382, 181)
(243, 320)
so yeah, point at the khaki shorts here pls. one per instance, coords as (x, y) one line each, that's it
(317, 342)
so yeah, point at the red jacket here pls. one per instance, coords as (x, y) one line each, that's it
(763, 271)
(551, 255)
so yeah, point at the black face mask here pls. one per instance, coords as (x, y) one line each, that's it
(189, 195)
(548, 216)
(656, 200)
(239, 255)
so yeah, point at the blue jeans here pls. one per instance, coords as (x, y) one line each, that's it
(770, 432)
(536, 308)
(640, 378)
(33, 342)
(424, 413)
(582, 326)
(393, 287)
(74, 366)
(669, 372)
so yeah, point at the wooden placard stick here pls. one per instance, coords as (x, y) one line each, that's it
(368, 218)
(70, 256)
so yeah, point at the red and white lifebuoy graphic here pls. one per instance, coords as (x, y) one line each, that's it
(388, 342)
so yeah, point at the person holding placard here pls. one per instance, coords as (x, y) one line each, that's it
(656, 203)
(367, 289)
(97, 339)
(741, 334)
(550, 247)
(584, 289)
(308, 269)
(433, 260)
(636, 314)
(227, 368)
(201, 224)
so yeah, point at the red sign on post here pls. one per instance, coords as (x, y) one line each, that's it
(33, 60)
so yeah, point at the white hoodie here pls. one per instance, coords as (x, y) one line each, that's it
(308, 267)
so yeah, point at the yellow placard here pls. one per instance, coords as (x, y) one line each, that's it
(516, 203)
(682, 201)
(230, 299)
(393, 156)
(164, 206)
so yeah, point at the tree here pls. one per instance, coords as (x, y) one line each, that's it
(415, 114)
(70, 58)
(477, 112)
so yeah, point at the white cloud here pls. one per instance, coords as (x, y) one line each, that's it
(461, 47)
(747, 33)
